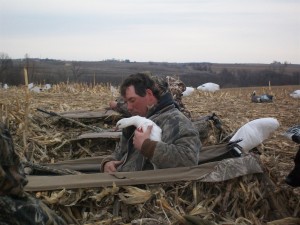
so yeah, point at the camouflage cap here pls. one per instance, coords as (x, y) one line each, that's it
(160, 84)
(12, 176)
(175, 84)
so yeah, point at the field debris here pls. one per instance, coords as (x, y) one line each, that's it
(260, 199)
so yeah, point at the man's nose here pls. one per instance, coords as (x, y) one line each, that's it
(129, 106)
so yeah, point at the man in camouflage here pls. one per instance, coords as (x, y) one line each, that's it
(180, 144)
(17, 206)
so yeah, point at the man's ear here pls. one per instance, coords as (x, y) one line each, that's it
(149, 92)
(151, 99)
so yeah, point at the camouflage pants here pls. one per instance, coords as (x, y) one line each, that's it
(26, 210)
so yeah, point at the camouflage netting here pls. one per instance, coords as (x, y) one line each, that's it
(251, 199)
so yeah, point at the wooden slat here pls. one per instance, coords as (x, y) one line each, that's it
(86, 114)
(101, 135)
(209, 172)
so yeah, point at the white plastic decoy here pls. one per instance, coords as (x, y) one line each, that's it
(141, 123)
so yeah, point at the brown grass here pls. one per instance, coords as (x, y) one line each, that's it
(49, 138)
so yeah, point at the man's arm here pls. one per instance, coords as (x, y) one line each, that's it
(180, 145)
(110, 163)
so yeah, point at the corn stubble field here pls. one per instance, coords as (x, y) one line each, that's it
(246, 200)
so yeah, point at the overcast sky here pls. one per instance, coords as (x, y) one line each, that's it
(217, 31)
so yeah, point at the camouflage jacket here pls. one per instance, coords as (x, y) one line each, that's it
(18, 207)
(180, 143)
(12, 175)
(26, 210)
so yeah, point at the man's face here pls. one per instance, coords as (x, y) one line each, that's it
(136, 104)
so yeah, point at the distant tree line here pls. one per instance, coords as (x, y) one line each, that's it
(242, 78)
(41, 71)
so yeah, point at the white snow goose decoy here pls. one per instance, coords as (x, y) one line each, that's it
(293, 178)
(141, 123)
(255, 132)
(209, 87)
(295, 94)
(188, 91)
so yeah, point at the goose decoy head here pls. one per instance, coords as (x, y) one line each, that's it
(293, 133)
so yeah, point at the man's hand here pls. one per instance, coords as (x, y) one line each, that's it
(140, 136)
(113, 105)
(111, 166)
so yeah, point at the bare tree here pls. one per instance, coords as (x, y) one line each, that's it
(62, 74)
(6, 65)
(76, 70)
